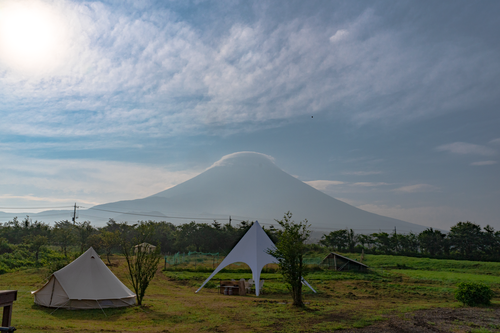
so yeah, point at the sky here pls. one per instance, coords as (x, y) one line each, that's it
(390, 106)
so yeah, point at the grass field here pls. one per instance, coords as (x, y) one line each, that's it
(344, 300)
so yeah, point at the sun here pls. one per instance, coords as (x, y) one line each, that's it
(31, 35)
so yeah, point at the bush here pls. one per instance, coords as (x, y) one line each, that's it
(473, 293)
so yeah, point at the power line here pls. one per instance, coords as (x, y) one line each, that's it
(162, 216)
(44, 207)
(189, 218)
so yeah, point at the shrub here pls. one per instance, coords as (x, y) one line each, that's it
(473, 293)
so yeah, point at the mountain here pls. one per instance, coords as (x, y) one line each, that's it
(249, 186)
(243, 186)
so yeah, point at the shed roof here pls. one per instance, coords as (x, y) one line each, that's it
(345, 258)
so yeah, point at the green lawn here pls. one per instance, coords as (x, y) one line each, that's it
(449, 277)
(344, 300)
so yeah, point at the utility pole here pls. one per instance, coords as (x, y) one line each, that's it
(74, 213)
(229, 219)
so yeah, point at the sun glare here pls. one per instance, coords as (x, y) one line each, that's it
(31, 36)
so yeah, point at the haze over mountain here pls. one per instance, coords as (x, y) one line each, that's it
(246, 186)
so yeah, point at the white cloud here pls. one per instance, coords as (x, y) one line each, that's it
(323, 185)
(495, 141)
(416, 188)
(370, 184)
(83, 181)
(481, 163)
(153, 74)
(361, 173)
(466, 148)
(339, 35)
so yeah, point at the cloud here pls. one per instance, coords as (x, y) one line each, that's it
(83, 181)
(416, 188)
(154, 74)
(370, 184)
(339, 35)
(323, 185)
(361, 173)
(429, 216)
(245, 158)
(481, 163)
(464, 148)
(495, 141)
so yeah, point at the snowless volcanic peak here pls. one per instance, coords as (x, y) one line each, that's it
(249, 186)
(245, 159)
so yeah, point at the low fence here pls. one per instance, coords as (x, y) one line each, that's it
(211, 259)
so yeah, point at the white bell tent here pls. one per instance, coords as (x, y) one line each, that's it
(85, 283)
(251, 250)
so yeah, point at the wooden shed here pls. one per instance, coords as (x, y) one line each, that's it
(341, 263)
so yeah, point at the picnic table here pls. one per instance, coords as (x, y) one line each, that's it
(232, 288)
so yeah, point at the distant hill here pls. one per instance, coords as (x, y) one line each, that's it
(245, 186)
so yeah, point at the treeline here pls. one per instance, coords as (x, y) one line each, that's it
(466, 240)
(68, 236)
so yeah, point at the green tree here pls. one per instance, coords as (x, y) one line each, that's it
(352, 240)
(142, 262)
(383, 242)
(490, 240)
(408, 243)
(190, 236)
(365, 241)
(289, 252)
(107, 241)
(432, 241)
(466, 239)
(336, 240)
(83, 231)
(35, 243)
(64, 235)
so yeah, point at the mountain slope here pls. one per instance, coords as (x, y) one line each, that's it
(249, 185)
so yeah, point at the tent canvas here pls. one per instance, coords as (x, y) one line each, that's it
(251, 250)
(85, 283)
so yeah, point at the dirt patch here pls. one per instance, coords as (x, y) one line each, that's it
(439, 320)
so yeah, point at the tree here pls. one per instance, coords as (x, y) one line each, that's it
(337, 240)
(64, 235)
(35, 243)
(289, 252)
(105, 240)
(383, 242)
(431, 241)
(466, 238)
(352, 240)
(142, 262)
(365, 241)
(408, 243)
(83, 230)
(190, 236)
